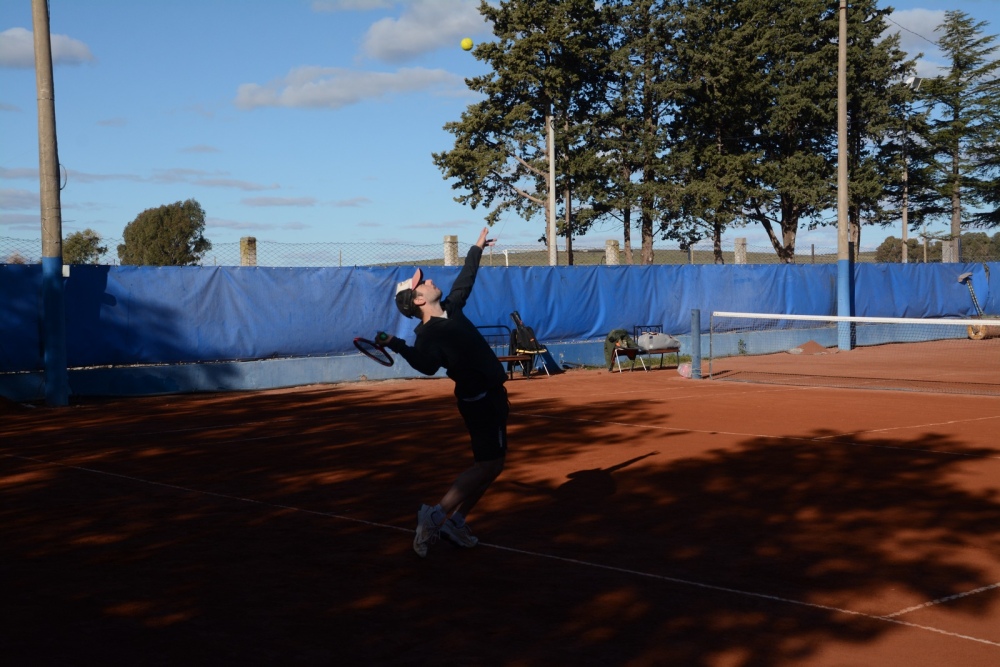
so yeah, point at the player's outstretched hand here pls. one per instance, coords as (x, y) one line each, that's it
(483, 241)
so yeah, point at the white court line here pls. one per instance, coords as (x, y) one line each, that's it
(794, 438)
(536, 554)
(910, 426)
(948, 598)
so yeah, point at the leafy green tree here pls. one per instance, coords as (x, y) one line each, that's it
(83, 247)
(978, 247)
(171, 235)
(965, 120)
(891, 250)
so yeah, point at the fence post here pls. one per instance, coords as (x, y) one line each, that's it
(450, 250)
(690, 254)
(248, 251)
(740, 251)
(611, 252)
(949, 251)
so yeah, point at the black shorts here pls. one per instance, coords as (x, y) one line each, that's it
(486, 419)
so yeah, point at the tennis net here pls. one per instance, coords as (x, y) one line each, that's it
(909, 354)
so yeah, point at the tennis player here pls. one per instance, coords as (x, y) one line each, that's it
(445, 338)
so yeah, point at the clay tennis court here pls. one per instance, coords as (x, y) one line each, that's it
(643, 519)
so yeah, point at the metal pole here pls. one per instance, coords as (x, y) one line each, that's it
(695, 344)
(843, 251)
(53, 290)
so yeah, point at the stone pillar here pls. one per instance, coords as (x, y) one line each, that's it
(740, 251)
(947, 251)
(248, 251)
(611, 253)
(451, 251)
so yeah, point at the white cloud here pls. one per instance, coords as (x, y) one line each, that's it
(27, 221)
(17, 49)
(204, 179)
(16, 200)
(200, 148)
(916, 28)
(254, 226)
(19, 173)
(353, 202)
(334, 88)
(279, 201)
(424, 25)
(350, 5)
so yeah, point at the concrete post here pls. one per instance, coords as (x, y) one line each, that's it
(451, 251)
(248, 251)
(611, 252)
(740, 250)
(53, 329)
(947, 251)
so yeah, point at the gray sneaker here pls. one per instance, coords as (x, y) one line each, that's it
(427, 530)
(460, 535)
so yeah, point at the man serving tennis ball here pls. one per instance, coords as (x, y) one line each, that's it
(446, 338)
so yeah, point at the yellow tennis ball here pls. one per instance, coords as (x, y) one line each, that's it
(466, 44)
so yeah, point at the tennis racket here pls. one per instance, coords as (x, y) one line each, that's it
(373, 350)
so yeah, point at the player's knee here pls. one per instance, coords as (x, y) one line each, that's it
(491, 469)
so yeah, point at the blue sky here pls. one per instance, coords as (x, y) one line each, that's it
(294, 121)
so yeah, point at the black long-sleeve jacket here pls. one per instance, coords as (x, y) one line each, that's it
(453, 342)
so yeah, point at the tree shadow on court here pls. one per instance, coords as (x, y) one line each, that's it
(276, 528)
(756, 554)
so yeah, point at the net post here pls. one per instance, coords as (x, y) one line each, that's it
(845, 302)
(695, 344)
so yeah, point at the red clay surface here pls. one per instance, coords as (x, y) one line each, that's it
(961, 366)
(643, 519)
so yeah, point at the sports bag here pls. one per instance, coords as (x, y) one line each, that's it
(657, 341)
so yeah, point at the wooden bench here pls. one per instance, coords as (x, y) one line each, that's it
(498, 336)
(633, 353)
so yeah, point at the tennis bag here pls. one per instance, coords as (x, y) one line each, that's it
(524, 337)
(657, 341)
(616, 338)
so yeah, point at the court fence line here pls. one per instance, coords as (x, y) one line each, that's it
(250, 251)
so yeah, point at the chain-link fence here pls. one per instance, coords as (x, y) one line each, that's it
(253, 252)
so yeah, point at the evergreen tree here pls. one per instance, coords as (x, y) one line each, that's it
(876, 108)
(544, 64)
(711, 153)
(795, 115)
(171, 235)
(632, 137)
(964, 120)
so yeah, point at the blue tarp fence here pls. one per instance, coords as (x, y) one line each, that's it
(123, 315)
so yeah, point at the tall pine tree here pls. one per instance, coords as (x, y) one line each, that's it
(964, 120)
